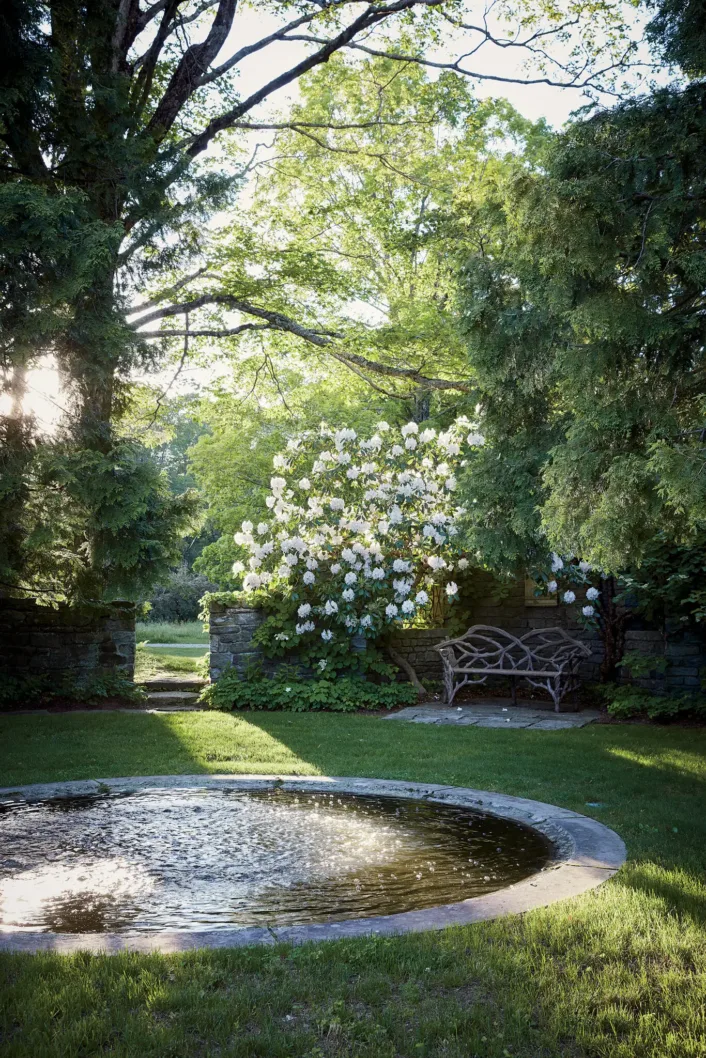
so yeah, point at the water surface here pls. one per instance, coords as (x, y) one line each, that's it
(218, 859)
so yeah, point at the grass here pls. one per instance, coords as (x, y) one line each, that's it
(171, 632)
(617, 973)
(161, 661)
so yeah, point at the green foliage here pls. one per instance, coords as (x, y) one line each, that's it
(117, 498)
(586, 335)
(644, 665)
(287, 690)
(625, 702)
(178, 599)
(33, 691)
(280, 608)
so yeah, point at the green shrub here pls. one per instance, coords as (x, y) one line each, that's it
(343, 694)
(18, 693)
(625, 702)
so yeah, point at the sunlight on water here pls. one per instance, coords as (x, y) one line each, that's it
(209, 859)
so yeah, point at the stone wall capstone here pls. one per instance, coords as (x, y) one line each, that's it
(66, 641)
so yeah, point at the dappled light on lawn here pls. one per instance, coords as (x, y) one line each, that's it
(223, 743)
(681, 762)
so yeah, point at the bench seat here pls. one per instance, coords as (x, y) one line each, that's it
(548, 658)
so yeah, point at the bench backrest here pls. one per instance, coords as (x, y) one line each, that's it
(485, 647)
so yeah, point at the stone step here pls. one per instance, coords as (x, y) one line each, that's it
(174, 683)
(172, 700)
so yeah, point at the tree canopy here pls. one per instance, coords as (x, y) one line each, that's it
(113, 121)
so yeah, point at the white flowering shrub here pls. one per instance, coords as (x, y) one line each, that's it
(361, 532)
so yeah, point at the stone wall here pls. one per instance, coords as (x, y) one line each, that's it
(231, 629)
(685, 651)
(416, 645)
(40, 640)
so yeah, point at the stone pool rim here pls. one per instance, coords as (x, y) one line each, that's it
(586, 854)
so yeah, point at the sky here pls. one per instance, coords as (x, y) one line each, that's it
(555, 104)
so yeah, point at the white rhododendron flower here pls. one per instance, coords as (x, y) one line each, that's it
(592, 594)
(557, 563)
(588, 611)
(322, 665)
(238, 567)
(327, 635)
(281, 637)
(585, 567)
(569, 597)
(378, 515)
(552, 586)
(475, 440)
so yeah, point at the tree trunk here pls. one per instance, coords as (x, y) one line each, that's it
(612, 621)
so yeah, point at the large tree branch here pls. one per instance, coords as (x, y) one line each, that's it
(190, 70)
(168, 293)
(277, 321)
(573, 80)
(369, 18)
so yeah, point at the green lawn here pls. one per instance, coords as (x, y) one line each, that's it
(167, 661)
(171, 632)
(619, 972)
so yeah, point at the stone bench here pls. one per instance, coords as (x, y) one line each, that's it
(546, 657)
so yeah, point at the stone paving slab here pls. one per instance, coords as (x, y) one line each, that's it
(495, 715)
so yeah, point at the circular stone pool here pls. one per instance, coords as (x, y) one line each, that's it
(228, 860)
(209, 859)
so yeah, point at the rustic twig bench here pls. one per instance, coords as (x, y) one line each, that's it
(545, 657)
